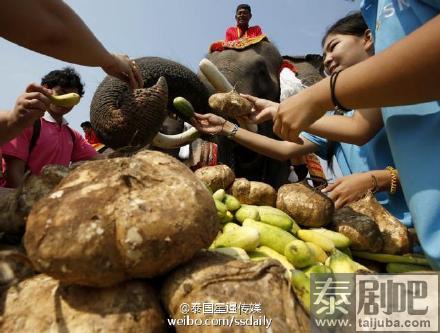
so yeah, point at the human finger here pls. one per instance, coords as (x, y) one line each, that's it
(250, 98)
(37, 96)
(202, 116)
(34, 87)
(340, 202)
(277, 127)
(34, 104)
(284, 132)
(137, 75)
(293, 136)
(330, 187)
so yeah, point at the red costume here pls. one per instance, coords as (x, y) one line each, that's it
(234, 33)
(91, 137)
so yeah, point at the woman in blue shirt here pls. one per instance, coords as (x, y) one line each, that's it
(405, 70)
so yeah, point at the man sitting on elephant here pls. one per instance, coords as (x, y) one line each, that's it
(242, 16)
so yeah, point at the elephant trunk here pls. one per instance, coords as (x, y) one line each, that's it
(130, 118)
(123, 118)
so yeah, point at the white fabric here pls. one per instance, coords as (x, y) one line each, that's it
(184, 151)
(289, 84)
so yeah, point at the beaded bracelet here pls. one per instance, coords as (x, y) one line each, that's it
(394, 179)
(338, 105)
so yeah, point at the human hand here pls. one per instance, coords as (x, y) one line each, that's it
(348, 189)
(296, 114)
(30, 106)
(209, 123)
(125, 69)
(263, 109)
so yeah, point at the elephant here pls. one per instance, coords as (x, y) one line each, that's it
(310, 67)
(124, 118)
(255, 70)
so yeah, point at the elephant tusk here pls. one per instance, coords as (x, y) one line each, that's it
(221, 84)
(214, 76)
(165, 141)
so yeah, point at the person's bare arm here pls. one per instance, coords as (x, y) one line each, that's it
(276, 149)
(51, 27)
(406, 73)
(15, 169)
(357, 129)
(353, 187)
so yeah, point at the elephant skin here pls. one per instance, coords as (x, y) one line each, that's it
(112, 93)
(255, 71)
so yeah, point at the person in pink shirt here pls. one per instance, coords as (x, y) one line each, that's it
(50, 140)
(242, 16)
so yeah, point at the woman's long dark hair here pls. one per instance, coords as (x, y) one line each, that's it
(352, 24)
(355, 25)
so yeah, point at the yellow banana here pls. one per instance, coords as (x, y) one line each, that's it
(67, 100)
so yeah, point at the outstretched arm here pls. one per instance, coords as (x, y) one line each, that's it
(351, 188)
(358, 129)
(276, 149)
(51, 27)
(405, 73)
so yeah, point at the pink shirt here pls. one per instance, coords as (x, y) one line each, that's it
(54, 146)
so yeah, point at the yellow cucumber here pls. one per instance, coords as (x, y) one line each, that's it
(231, 202)
(230, 226)
(221, 209)
(315, 237)
(235, 252)
(277, 218)
(317, 269)
(271, 236)
(228, 217)
(337, 238)
(247, 212)
(301, 287)
(339, 262)
(219, 194)
(245, 238)
(257, 255)
(275, 255)
(318, 253)
(299, 254)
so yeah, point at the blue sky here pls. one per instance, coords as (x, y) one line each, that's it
(180, 30)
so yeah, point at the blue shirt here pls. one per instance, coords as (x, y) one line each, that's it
(413, 131)
(374, 155)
